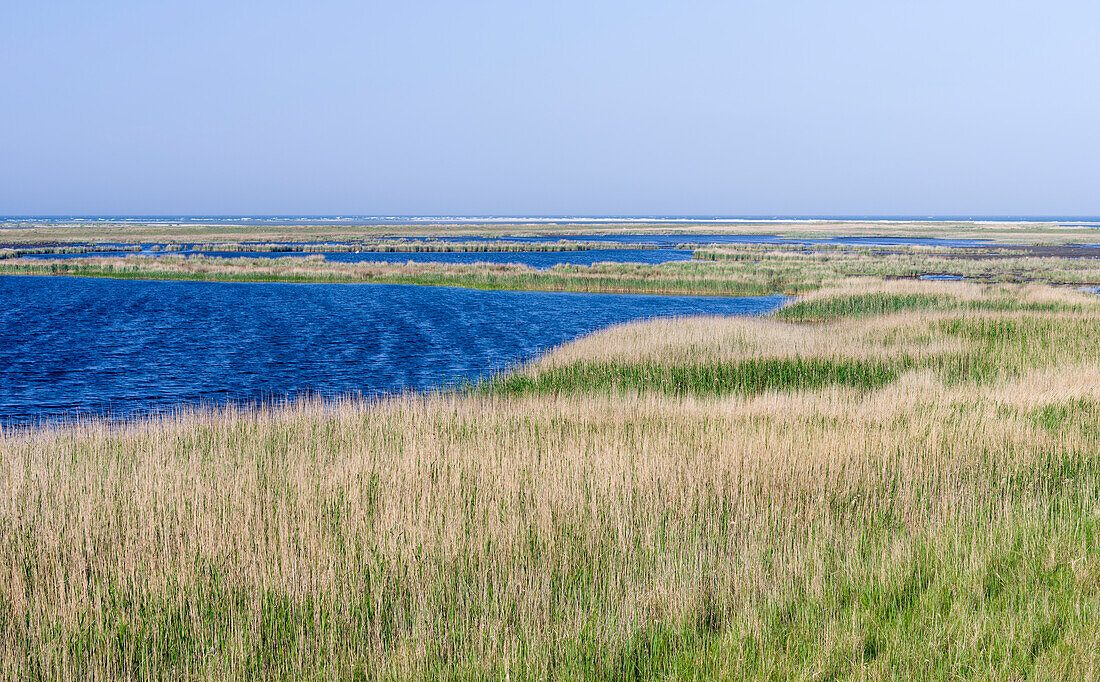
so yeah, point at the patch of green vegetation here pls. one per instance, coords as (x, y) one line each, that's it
(705, 378)
(860, 305)
(1081, 416)
(875, 304)
(874, 611)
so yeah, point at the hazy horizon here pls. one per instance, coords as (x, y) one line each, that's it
(553, 217)
(576, 109)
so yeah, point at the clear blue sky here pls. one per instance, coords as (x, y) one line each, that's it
(410, 107)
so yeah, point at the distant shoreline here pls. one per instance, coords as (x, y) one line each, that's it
(175, 229)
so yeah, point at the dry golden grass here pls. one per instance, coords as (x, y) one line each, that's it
(928, 527)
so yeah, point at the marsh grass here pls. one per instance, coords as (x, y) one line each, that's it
(688, 279)
(897, 526)
(20, 251)
(421, 246)
(745, 377)
(727, 271)
(827, 264)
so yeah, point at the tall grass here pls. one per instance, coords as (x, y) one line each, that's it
(904, 527)
(819, 264)
(750, 376)
(20, 251)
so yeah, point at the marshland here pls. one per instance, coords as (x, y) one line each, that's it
(549, 341)
(714, 269)
(886, 478)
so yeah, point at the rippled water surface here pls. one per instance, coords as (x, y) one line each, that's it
(73, 346)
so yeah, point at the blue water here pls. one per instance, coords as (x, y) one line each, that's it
(72, 346)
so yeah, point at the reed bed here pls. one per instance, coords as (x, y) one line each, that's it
(668, 278)
(421, 246)
(817, 265)
(728, 271)
(862, 334)
(918, 527)
(20, 251)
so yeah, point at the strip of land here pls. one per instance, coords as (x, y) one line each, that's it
(373, 246)
(687, 279)
(888, 479)
(716, 270)
(167, 232)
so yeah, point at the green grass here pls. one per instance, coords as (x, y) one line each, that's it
(870, 305)
(899, 606)
(705, 378)
(745, 377)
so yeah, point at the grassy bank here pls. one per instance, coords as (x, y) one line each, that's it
(669, 278)
(373, 246)
(19, 252)
(824, 265)
(855, 508)
(742, 270)
(421, 246)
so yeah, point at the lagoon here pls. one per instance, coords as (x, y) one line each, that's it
(76, 346)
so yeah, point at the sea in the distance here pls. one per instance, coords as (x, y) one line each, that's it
(287, 219)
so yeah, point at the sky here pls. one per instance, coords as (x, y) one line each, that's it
(165, 107)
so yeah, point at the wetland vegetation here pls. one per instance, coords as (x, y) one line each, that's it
(685, 278)
(732, 270)
(888, 479)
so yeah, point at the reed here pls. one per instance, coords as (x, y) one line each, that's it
(669, 278)
(742, 270)
(20, 251)
(420, 246)
(905, 525)
(829, 264)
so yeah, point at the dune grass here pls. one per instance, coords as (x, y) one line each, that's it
(835, 505)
